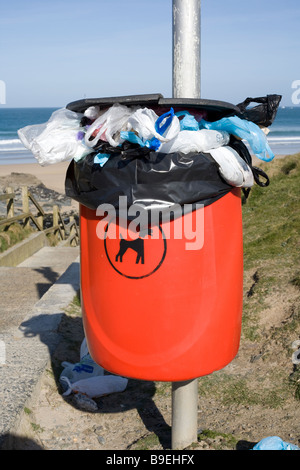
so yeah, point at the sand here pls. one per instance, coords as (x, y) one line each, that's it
(53, 176)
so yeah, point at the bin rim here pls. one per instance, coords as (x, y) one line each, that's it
(155, 99)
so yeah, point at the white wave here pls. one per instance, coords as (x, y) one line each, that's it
(284, 139)
(11, 145)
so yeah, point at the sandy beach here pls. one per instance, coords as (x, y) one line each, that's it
(52, 176)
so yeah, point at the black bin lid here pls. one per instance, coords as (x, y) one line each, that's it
(215, 109)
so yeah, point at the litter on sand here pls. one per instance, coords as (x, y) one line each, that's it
(86, 380)
(274, 443)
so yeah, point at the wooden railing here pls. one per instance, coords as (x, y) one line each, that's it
(68, 232)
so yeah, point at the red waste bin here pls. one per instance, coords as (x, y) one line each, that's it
(157, 310)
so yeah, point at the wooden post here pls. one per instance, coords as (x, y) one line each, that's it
(55, 217)
(25, 205)
(72, 230)
(10, 204)
(40, 219)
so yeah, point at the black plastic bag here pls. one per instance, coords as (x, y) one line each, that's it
(263, 114)
(151, 179)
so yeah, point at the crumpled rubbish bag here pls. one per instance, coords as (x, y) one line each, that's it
(147, 124)
(195, 141)
(150, 179)
(56, 140)
(263, 114)
(147, 129)
(86, 368)
(274, 443)
(87, 378)
(245, 130)
(232, 167)
(108, 125)
(95, 387)
(188, 121)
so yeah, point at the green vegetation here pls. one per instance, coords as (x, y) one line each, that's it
(146, 442)
(12, 235)
(36, 427)
(220, 440)
(74, 308)
(271, 219)
(237, 390)
(271, 224)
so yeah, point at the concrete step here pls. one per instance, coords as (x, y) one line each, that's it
(34, 296)
(22, 286)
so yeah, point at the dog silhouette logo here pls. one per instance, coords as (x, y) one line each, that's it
(138, 256)
(137, 245)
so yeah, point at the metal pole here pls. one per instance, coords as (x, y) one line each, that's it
(186, 48)
(184, 413)
(186, 84)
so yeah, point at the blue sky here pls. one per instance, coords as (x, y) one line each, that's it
(59, 51)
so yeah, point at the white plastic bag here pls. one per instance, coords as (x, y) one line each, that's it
(195, 141)
(95, 387)
(142, 122)
(232, 167)
(88, 378)
(56, 140)
(84, 369)
(108, 125)
(93, 112)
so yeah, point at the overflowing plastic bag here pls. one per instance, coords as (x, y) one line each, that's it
(110, 136)
(264, 113)
(195, 141)
(274, 443)
(143, 123)
(189, 122)
(147, 129)
(245, 130)
(232, 167)
(107, 126)
(57, 140)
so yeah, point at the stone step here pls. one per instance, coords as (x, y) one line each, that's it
(22, 286)
(32, 329)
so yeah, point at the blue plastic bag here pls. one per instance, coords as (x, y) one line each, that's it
(188, 123)
(101, 158)
(245, 130)
(274, 443)
(130, 136)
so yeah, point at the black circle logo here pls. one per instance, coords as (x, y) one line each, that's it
(135, 255)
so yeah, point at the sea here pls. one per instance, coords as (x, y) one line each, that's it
(283, 138)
